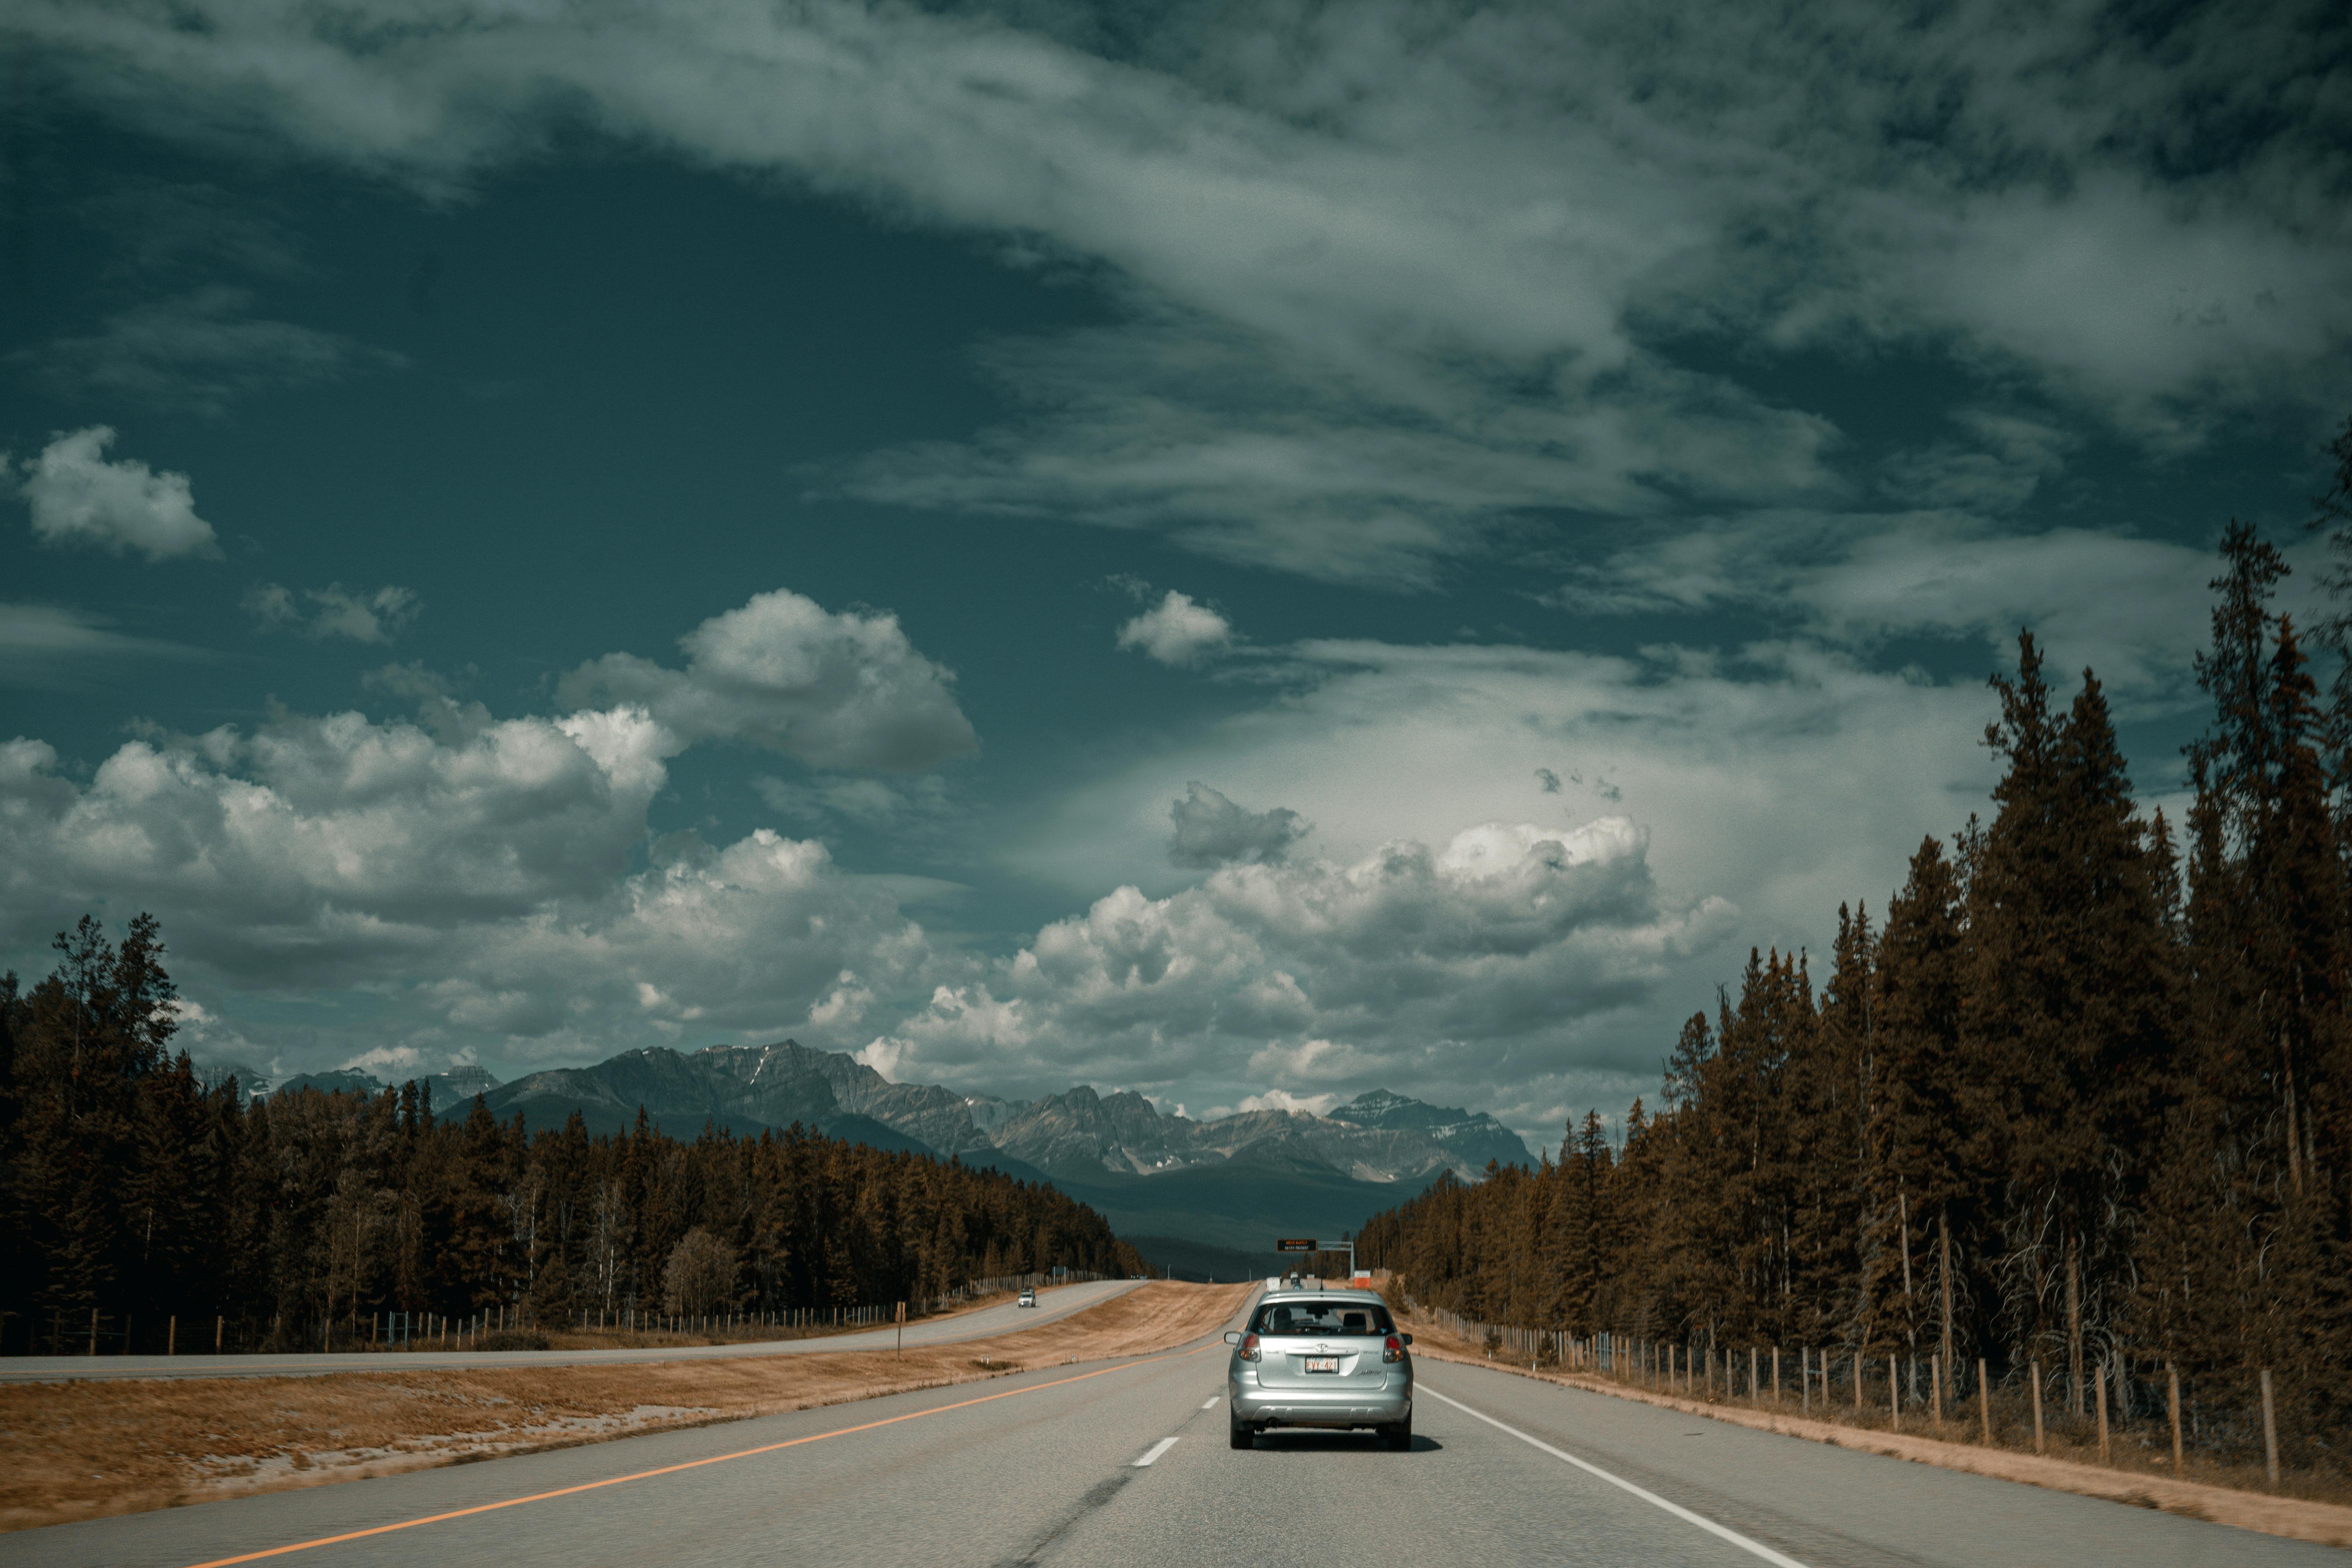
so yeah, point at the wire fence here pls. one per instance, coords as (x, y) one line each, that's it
(94, 1332)
(2133, 1411)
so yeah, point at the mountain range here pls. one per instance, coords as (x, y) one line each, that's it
(1220, 1189)
(443, 1090)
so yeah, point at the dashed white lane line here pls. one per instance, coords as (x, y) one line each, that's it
(1154, 1452)
(1726, 1532)
(1211, 1406)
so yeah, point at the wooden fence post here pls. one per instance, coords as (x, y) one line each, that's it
(2037, 1406)
(2269, 1431)
(1935, 1388)
(2100, 1377)
(93, 1330)
(220, 1326)
(1894, 1398)
(1984, 1400)
(2172, 1402)
(1804, 1379)
(171, 1336)
(1776, 1374)
(1857, 1382)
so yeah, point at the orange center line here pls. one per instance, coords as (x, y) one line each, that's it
(689, 1465)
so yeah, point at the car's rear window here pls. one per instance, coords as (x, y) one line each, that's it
(1322, 1319)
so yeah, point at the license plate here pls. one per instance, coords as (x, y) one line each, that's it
(1322, 1363)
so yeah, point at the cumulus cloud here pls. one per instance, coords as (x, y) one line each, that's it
(497, 875)
(1704, 749)
(393, 1064)
(1176, 631)
(334, 611)
(79, 497)
(837, 690)
(331, 847)
(484, 882)
(1283, 1099)
(1419, 960)
(1211, 830)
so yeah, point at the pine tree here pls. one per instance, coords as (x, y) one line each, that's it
(1933, 1130)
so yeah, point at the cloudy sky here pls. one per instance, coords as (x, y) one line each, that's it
(1248, 552)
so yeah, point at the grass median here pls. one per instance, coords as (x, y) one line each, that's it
(81, 1450)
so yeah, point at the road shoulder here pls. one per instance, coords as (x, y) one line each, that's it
(2293, 1518)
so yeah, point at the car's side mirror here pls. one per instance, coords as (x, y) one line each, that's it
(1406, 1337)
(1232, 1336)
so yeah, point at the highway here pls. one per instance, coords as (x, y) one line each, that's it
(1053, 1302)
(1126, 1462)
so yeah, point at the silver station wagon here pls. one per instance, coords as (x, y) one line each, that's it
(1332, 1359)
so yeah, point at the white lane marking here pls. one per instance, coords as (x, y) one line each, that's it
(1154, 1452)
(1211, 1406)
(1727, 1533)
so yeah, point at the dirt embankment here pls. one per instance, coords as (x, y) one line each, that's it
(2330, 1524)
(77, 1450)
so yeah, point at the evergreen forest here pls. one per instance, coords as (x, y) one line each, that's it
(133, 1194)
(2079, 1099)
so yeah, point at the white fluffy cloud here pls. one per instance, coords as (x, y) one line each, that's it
(334, 611)
(485, 879)
(1423, 962)
(836, 691)
(492, 880)
(79, 496)
(1176, 631)
(1784, 779)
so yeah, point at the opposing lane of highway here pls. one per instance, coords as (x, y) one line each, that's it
(1126, 1462)
(1057, 1303)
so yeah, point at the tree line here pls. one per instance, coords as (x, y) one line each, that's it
(2082, 1098)
(134, 1191)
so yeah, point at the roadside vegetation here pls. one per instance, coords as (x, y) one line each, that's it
(2073, 1122)
(141, 1211)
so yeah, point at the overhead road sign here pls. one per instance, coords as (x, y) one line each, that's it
(1293, 1244)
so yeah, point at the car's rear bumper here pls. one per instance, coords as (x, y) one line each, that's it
(1383, 1405)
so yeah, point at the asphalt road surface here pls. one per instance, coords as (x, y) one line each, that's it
(1126, 1462)
(1053, 1302)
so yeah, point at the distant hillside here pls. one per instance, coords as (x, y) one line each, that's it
(1235, 1183)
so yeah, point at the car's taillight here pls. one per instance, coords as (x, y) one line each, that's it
(1249, 1347)
(1394, 1349)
